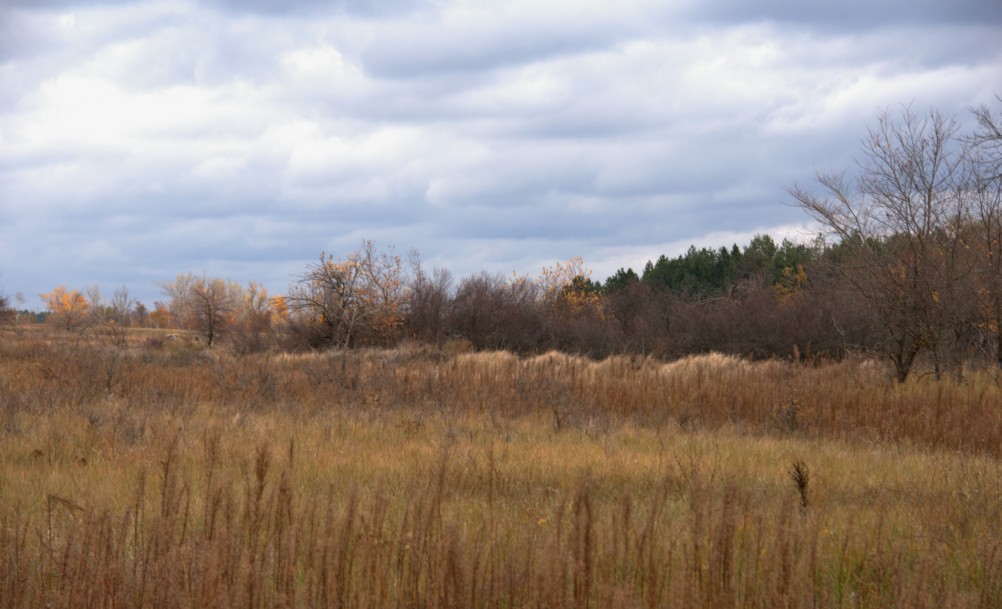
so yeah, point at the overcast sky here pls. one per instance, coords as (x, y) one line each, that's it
(239, 138)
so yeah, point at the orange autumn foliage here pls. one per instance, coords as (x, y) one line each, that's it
(69, 308)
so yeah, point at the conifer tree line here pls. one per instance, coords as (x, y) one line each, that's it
(908, 267)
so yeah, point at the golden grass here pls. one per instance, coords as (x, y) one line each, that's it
(175, 477)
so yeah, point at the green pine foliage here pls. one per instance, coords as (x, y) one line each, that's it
(705, 273)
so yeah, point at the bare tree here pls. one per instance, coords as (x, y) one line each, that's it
(178, 293)
(93, 293)
(121, 306)
(986, 192)
(899, 220)
(429, 302)
(212, 300)
(249, 326)
(7, 313)
(201, 303)
(495, 312)
(988, 141)
(344, 302)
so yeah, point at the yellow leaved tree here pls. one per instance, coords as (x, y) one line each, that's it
(568, 285)
(68, 309)
(279, 310)
(792, 281)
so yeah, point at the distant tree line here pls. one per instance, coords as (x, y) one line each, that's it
(909, 266)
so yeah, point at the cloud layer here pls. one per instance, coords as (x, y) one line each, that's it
(140, 140)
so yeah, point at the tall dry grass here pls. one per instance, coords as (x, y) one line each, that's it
(854, 400)
(169, 476)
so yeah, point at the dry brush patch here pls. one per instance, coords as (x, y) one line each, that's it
(851, 400)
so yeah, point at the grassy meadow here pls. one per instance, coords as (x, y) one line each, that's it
(142, 472)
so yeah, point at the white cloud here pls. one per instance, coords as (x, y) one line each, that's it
(154, 138)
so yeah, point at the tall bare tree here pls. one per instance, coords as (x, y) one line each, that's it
(986, 192)
(988, 141)
(899, 219)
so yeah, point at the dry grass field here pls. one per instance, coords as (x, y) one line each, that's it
(155, 473)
